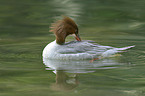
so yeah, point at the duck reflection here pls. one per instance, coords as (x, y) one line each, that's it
(65, 82)
(67, 71)
(83, 66)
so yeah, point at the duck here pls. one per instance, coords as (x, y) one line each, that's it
(78, 49)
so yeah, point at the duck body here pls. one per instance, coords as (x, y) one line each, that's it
(75, 50)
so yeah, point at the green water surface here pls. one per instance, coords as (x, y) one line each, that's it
(24, 32)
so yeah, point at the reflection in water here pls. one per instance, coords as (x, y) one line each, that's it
(67, 8)
(64, 82)
(79, 66)
(67, 71)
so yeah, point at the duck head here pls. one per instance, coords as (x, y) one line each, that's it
(63, 28)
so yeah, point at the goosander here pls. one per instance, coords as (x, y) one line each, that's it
(75, 50)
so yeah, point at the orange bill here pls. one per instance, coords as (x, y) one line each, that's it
(77, 37)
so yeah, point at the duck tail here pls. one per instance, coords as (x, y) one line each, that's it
(113, 51)
(124, 48)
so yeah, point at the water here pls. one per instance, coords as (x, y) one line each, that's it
(24, 27)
